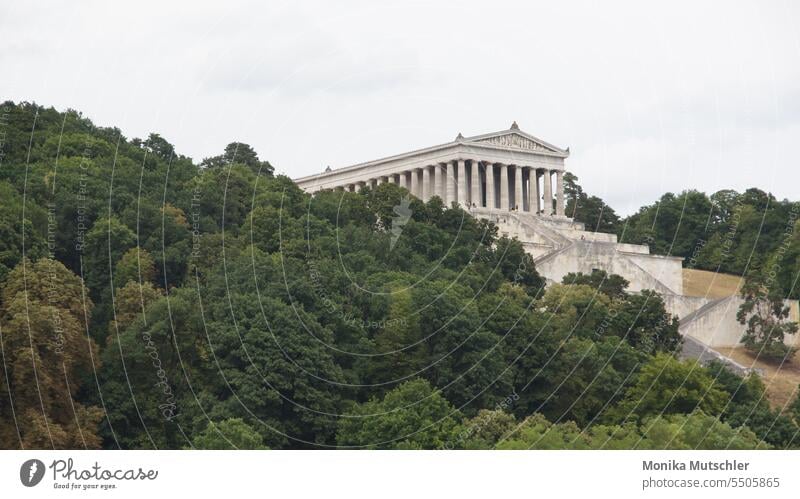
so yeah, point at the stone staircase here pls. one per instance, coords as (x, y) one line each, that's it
(694, 349)
(531, 225)
(708, 307)
(657, 285)
(514, 224)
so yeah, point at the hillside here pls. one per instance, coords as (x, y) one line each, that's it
(710, 284)
(224, 306)
(780, 380)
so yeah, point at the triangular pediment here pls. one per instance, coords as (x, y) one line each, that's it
(513, 139)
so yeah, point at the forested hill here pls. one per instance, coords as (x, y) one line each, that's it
(148, 301)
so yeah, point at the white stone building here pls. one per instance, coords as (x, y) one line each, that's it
(516, 180)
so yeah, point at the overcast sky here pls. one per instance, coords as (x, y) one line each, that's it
(649, 99)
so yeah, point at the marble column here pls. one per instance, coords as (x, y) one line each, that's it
(533, 194)
(548, 194)
(462, 183)
(415, 182)
(443, 187)
(475, 178)
(403, 180)
(426, 183)
(490, 194)
(526, 190)
(504, 187)
(523, 206)
(450, 182)
(518, 188)
(560, 204)
(437, 181)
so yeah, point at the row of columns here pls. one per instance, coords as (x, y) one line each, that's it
(487, 185)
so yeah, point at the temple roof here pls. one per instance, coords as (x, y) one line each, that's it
(512, 139)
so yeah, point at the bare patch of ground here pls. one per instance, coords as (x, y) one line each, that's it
(780, 380)
(709, 284)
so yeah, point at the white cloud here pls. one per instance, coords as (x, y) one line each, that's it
(649, 98)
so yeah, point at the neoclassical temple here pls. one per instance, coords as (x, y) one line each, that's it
(506, 170)
(517, 181)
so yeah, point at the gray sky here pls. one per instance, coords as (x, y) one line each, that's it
(649, 98)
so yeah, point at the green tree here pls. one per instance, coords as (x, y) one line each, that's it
(16, 230)
(159, 146)
(131, 302)
(46, 353)
(240, 153)
(795, 407)
(674, 225)
(643, 321)
(412, 416)
(591, 210)
(581, 381)
(577, 310)
(486, 429)
(399, 341)
(765, 313)
(786, 258)
(230, 434)
(106, 242)
(666, 385)
(697, 431)
(677, 431)
(224, 196)
(612, 285)
(536, 432)
(136, 265)
(748, 406)
(463, 359)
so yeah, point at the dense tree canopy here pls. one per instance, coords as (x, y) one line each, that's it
(158, 303)
(727, 232)
(229, 434)
(45, 354)
(412, 416)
